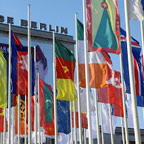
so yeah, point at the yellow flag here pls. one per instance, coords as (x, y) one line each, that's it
(3, 81)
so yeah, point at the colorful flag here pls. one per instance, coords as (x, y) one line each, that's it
(63, 116)
(3, 81)
(99, 64)
(135, 9)
(136, 51)
(65, 65)
(22, 68)
(112, 94)
(103, 25)
(46, 108)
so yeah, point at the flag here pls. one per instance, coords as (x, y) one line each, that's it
(99, 64)
(3, 81)
(105, 117)
(83, 100)
(65, 65)
(112, 94)
(135, 9)
(21, 68)
(63, 116)
(103, 25)
(46, 108)
(2, 121)
(136, 51)
(84, 120)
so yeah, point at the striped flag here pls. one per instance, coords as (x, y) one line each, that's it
(136, 51)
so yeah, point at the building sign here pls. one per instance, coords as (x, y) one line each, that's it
(35, 25)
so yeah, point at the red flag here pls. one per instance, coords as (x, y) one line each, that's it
(112, 94)
(83, 119)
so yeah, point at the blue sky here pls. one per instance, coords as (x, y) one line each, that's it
(61, 13)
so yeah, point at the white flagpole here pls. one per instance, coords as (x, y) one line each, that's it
(123, 134)
(39, 111)
(18, 112)
(142, 36)
(78, 88)
(35, 96)
(71, 123)
(25, 120)
(54, 87)
(132, 82)
(29, 79)
(111, 128)
(102, 134)
(87, 74)
(74, 117)
(123, 97)
(4, 139)
(9, 89)
(97, 118)
(12, 125)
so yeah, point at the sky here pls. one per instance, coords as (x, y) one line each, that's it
(61, 13)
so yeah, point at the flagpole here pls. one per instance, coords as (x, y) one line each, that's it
(35, 96)
(9, 89)
(78, 88)
(97, 118)
(25, 120)
(12, 125)
(29, 79)
(111, 128)
(71, 123)
(123, 98)
(102, 134)
(18, 112)
(123, 134)
(132, 83)
(142, 36)
(54, 87)
(39, 111)
(87, 74)
(74, 117)
(4, 126)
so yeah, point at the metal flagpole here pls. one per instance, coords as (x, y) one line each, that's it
(74, 117)
(102, 134)
(97, 118)
(18, 112)
(111, 128)
(132, 83)
(12, 125)
(35, 96)
(123, 134)
(87, 74)
(25, 120)
(54, 87)
(71, 122)
(142, 36)
(29, 79)
(123, 97)
(4, 139)
(9, 89)
(78, 88)
(39, 111)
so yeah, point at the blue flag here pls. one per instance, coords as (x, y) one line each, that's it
(63, 116)
(136, 51)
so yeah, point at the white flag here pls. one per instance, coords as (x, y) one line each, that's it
(106, 122)
(135, 10)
